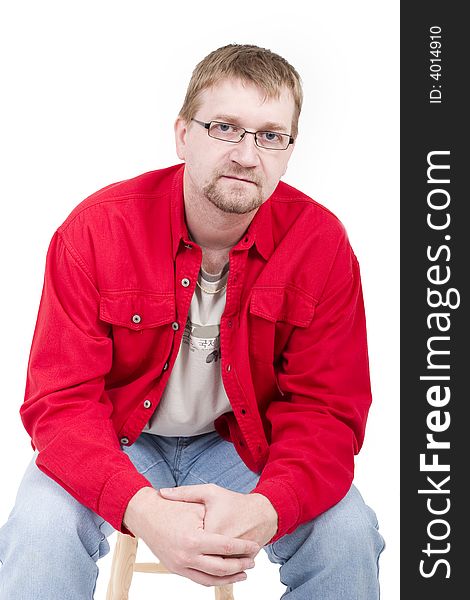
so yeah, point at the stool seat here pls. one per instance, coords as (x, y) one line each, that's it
(124, 565)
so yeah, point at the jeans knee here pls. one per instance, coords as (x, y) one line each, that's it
(65, 532)
(45, 517)
(347, 531)
(351, 527)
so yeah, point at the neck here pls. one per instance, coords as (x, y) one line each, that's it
(214, 230)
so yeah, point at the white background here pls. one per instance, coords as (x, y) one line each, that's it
(90, 91)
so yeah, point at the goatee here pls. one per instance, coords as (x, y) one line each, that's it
(236, 201)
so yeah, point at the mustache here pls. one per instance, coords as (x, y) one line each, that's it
(240, 173)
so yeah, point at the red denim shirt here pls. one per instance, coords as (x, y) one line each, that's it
(120, 273)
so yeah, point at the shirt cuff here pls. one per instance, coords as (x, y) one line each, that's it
(285, 503)
(117, 494)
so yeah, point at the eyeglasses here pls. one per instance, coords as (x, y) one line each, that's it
(227, 132)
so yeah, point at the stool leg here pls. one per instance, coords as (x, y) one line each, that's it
(224, 592)
(122, 567)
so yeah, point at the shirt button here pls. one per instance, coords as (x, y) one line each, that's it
(229, 323)
(136, 318)
(165, 366)
(147, 404)
(185, 282)
(124, 440)
(175, 326)
(243, 411)
(228, 368)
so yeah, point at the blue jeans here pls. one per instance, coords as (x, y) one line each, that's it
(51, 543)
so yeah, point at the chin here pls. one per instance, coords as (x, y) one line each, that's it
(236, 205)
(232, 203)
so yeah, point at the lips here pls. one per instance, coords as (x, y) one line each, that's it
(238, 178)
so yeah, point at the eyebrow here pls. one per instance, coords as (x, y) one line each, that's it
(268, 126)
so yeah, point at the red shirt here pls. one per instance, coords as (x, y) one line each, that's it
(120, 274)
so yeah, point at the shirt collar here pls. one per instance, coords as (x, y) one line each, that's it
(179, 229)
(258, 233)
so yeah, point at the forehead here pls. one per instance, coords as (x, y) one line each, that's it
(246, 103)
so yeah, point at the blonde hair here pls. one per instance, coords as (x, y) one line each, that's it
(251, 64)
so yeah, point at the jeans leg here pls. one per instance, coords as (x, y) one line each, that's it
(151, 462)
(210, 459)
(332, 557)
(50, 543)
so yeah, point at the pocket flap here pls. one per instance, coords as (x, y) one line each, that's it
(283, 304)
(137, 310)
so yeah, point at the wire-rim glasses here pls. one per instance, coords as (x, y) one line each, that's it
(228, 132)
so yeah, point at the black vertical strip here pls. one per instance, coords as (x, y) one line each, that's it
(435, 258)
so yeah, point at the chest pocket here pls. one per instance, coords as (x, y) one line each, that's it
(141, 328)
(274, 313)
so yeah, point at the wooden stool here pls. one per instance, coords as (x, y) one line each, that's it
(124, 566)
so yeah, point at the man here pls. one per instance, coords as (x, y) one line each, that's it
(198, 375)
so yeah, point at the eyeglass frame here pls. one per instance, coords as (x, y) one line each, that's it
(245, 131)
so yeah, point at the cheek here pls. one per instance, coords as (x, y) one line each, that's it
(195, 164)
(201, 159)
(273, 173)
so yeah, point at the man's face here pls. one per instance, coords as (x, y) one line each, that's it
(237, 178)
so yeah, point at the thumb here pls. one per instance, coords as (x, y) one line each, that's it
(185, 493)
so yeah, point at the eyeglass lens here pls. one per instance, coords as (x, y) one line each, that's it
(233, 133)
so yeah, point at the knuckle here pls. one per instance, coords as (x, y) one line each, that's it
(251, 549)
(219, 571)
(192, 543)
(229, 548)
(184, 558)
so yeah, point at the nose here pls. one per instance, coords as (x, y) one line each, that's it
(245, 153)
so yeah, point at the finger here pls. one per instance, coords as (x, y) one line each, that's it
(186, 493)
(221, 567)
(222, 545)
(212, 580)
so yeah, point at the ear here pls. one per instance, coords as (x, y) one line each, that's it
(181, 130)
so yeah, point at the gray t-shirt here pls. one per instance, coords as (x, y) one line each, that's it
(194, 395)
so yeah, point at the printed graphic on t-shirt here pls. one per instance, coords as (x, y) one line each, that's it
(204, 339)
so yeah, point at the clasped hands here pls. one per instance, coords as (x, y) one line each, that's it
(204, 532)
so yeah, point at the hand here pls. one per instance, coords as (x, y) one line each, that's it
(244, 516)
(174, 532)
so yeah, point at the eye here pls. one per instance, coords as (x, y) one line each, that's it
(225, 128)
(270, 136)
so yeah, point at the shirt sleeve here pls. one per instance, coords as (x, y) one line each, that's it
(318, 425)
(66, 409)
